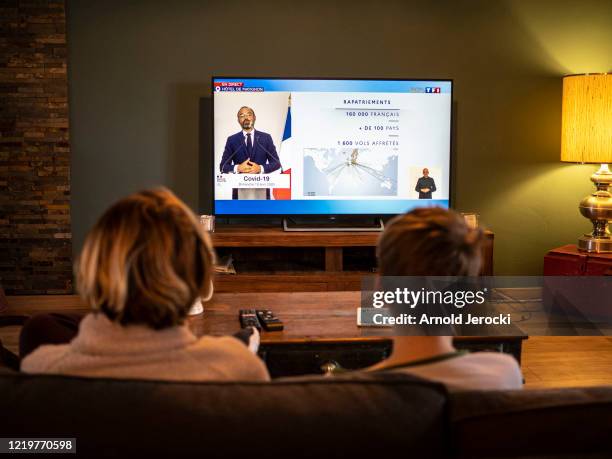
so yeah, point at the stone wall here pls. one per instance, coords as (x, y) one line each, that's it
(35, 234)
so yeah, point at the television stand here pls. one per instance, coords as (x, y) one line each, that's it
(268, 259)
(332, 224)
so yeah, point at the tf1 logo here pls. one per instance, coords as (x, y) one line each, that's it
(432, 90)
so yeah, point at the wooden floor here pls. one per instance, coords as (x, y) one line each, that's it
(552, 361)
(567, 361)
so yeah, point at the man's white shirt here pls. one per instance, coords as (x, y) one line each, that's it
(244, 134)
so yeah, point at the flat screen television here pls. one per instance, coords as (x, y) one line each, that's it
(330, 147)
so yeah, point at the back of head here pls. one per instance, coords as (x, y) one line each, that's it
(146, 261)
(429, 241)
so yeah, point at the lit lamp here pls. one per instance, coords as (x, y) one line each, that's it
(586, 137)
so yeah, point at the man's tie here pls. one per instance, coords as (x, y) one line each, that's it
(249, 146)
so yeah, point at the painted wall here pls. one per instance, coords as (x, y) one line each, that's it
(138, 69)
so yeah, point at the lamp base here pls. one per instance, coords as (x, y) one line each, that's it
(598, 208)
(590, 244)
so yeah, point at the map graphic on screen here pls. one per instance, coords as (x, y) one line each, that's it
(349, 172)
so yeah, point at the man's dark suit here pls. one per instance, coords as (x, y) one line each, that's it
(264, 154)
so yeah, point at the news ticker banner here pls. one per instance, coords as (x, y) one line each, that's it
(325, 206)
(487, 306)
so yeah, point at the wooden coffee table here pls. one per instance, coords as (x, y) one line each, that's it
(320, 327)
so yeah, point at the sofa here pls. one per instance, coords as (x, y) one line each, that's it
(349, 416)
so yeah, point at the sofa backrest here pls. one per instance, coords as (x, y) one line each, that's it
(547, 423)
(356, 416)
(306, 417)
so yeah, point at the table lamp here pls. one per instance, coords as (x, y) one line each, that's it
(586, 137)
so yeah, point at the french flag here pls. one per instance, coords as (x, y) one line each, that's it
(285, 158)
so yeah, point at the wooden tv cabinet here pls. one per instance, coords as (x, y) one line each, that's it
(268, 259)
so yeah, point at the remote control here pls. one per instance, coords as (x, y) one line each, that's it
(248, 318)
(269, 321)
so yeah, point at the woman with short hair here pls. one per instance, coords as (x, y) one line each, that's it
(143, 265)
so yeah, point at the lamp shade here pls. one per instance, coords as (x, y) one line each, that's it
(586, 132)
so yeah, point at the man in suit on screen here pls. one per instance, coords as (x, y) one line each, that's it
(249, 152)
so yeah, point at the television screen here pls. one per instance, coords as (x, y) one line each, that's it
(286, 146)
